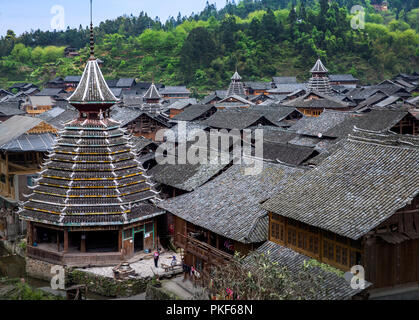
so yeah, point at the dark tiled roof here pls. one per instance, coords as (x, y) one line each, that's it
(141, 142)
(41, 142)
(92, 87)
(236, 119)
(174, 90)
(193, 112)
(221, 94)
(15, 127)
(227, 205)
(286, 153)
(277, 135)
(72, 79)
(342, 77)
(125, 83)
(375, 120)
(287, 88)
(333, 284)
(326, 102)
(258, 85)
(10, 109)
(52, 92)
(363, 183)
(185, 177)
(318, 126)
(284, 80)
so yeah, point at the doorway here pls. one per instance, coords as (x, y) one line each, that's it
(139, 241)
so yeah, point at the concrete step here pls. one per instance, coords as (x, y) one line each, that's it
(176, 289)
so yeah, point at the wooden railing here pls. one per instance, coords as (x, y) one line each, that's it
(45, 255)
(75, 259)
(203, 250)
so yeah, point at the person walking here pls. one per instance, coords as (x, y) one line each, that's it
(156, 258)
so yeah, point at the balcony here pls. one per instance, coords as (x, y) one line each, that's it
(88, 259)
(202, 250)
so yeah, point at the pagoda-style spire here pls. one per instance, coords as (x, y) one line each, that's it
(236, 87)
(319, 80)
(152, 95)
(92, 94)
(92, 39)
(319, 67)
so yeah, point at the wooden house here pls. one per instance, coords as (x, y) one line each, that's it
(92, 204)
(140, 123)
(71, 83)
(209, 232)
(358, 207)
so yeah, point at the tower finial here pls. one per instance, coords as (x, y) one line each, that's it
(92, 39)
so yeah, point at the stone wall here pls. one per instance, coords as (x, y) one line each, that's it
(15, 247)
(106, 286)
(159, 293)
(39, 269)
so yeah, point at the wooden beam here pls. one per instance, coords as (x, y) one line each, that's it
(65, 240)
(83, 242)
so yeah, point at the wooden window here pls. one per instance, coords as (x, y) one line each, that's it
(277, 228)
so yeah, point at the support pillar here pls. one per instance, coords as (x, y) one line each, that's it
(65, 240)
(7, 175)
(58, 241)
(120, 240)
(83, 243)
(29, 238)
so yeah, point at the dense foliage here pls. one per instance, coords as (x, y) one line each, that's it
(261, 38)
(259, 278)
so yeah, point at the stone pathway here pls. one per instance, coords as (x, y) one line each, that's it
(144, 268)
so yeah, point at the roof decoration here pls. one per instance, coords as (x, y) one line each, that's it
(319, 67)
(236, 86)
(92, 87)
(152, 93)
(320, 81)
(91, 177)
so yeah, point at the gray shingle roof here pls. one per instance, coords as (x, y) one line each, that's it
(125, 83)
(318, 126)
(287, 88)
(228, 206)
(15, 127)
(185, 177)
(284, 80)
(92, 87)
(286, 153)
(363, 183)
(41, 142)
(72, 79)
(174, 90)
(52, 92)
(335, 286)
(325, 102)
(193, 112)
(342, 77)
(257, 85)
(236, 119)
(10, 109)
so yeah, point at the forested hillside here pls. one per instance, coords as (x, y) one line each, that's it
(261, 38)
